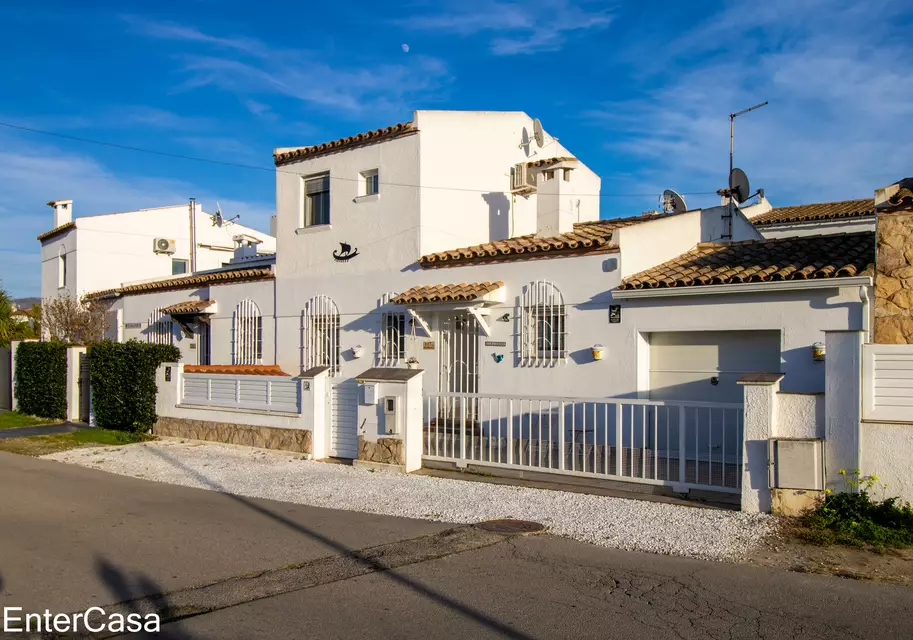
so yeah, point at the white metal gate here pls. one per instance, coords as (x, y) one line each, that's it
(84, 388)
(459, 355)
(344, 419)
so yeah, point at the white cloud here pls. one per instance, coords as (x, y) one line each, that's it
(529, 27)
(839, 96)
(250, 68)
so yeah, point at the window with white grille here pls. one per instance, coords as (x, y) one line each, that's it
(159, 328)
(392, 338)
(320, 334)
(247, 334)
(543, 324)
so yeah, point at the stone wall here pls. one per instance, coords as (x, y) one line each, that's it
(385, 450)
(894, 278)
(298, 440)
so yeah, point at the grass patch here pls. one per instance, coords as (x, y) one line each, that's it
(859, 520)
(16, 420)
(43, 445)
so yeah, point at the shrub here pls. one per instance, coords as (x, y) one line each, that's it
(123, 382)
(41, 379)
(858, 519)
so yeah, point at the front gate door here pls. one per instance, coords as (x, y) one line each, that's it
(459, 354)
(344, 419)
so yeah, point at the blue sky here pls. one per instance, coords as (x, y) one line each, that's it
(639, 91)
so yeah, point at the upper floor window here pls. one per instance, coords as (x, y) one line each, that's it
(178, 266)
(370, 183)
(159, 329)
(316, 200)
(62, 268)
(543, 324)
(320, 334)
(247, 334)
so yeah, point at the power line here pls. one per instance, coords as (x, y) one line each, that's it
(236, 165)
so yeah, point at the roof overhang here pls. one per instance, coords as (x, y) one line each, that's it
(748, 287)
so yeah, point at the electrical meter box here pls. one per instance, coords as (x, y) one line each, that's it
(797, 463)
(391, 415)
(369, 389)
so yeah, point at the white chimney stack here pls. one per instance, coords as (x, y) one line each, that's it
(63, 212)
(556, 204)
(245, 248)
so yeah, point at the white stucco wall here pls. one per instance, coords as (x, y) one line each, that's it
(822, 227)
(800, 415)
(109, 250)
(887, 449)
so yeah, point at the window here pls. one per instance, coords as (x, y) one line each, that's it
(316, 200)
(204, 348)
(62, 268)
(247, 334)
(178, 266)
(320, 334)
(159, 328)
(370, 183)
(392, 338)
(543, 324)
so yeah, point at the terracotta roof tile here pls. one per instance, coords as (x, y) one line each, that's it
(53, 232)
(236, 369)
(361, 139)
(545, 162)
(190, 306)
(187, 282)
(820, 211)
(804, 258)
(446, 292)
(587, 237)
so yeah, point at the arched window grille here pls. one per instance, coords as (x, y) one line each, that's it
(320, 334)
(543, 324)
(247, 334)
(392, 336)
(159, 328)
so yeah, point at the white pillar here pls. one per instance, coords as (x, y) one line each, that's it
(842, 404)
(314, 389)
(412, 424)
(168, 382)
(13, 346)
(73, 357)
(759, 426)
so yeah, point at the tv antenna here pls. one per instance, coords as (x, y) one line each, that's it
(732, 117)
(744, 194)
(672, 202)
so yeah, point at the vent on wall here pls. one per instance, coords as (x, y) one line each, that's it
(163, 245)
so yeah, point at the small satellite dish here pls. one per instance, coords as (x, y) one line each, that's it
(673, 202)
(538, 133)
(738, 185)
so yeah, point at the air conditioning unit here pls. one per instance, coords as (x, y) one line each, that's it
(522, 180)
(163, 245)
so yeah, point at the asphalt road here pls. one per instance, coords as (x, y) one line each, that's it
(240, 568)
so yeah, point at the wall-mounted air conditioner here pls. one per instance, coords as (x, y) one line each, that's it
(163, 245)
(522, 180)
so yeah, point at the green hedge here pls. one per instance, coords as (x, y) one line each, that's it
(123, 382)
(41, 379)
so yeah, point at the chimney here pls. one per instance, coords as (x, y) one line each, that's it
(63, 212)
(894, 263)
(557, 206)
(245, 248)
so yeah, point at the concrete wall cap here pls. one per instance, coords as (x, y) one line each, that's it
(760, 378)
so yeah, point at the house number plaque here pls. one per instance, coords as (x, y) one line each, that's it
(495, 343)
(428, 346)
(614, 313)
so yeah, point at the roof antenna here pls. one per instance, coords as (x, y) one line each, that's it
(732, 116)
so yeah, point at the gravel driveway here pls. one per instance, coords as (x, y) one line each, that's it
(609, 522)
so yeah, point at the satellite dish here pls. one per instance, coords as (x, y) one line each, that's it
(538, 133)
(738, 185)
(673, 202)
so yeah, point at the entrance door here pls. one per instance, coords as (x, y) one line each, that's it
(459, 354)
(84, 388)
(344, 419)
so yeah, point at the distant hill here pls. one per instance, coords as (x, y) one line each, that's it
(26, 303)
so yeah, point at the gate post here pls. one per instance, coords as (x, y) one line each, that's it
(759, 426)
(314, 390)
(73, 383)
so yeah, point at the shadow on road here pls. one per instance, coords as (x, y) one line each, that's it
(435, 596)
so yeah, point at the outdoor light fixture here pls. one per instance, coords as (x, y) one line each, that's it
(505, 318)
(499, 357)
(598, 351)
(818, 352)
(358, 351)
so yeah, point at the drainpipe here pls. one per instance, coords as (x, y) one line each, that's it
(193, 236)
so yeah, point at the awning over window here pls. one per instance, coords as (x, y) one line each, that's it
(191, 308)
(449, 293)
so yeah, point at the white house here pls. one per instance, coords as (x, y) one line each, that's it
(92, 253)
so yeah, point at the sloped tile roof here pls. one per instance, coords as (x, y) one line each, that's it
(820, 211)
(187, 282)
(587, 237)
(56, 230)
(803, 258)
(236, 369)
(190, 306)
(358, 140)
(446, 292)
(545, 162)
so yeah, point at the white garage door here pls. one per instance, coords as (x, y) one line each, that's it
(344, 423)
(706, 365)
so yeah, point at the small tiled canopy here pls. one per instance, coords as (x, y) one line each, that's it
(447, 292)
(190, 307)
(805, 258)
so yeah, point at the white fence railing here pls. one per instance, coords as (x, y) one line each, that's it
(265, 393)
(887, 382)
(685, 444)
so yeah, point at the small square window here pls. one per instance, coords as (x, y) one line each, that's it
(370, 183)
(178, 267)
